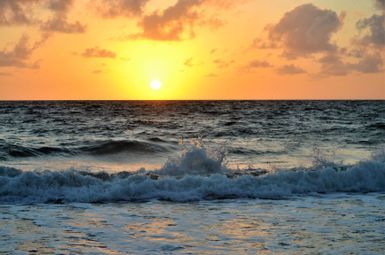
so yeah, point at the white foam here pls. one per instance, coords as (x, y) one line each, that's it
(195, 160)
(194, 176)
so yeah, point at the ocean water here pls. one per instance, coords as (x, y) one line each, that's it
(192, 177)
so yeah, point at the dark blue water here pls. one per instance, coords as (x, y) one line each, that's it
(252, 133)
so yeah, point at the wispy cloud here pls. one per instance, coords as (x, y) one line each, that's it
(258, 64)
(189, 62)
(5, 74)
(118, 8)
(222, 63)
(98, 53)
(19, 56)
(290, 69)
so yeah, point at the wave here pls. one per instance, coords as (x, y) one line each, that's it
(17, 151)
(109, 147)
(113, 147)
(196, 175)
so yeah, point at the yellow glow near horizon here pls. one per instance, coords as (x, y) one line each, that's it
(163, 62)
(155, 85)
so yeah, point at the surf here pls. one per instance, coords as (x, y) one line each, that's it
(197, 174)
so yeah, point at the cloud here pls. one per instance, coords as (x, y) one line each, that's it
(335, 66)
(189, 62)
(116, 8)
(290, 69)
(304, 30)
(380, 4)
(365, 52)
(373, 30)
(213, 22)
(307, 31)
(98, 53)
(60, 5)
(5, 74)
(369, 64)
(225, 4)
(222, 63)
(211, 75)
(173, 24)
(97, 71)
(61, 25)
(19, 56)
(24, 12)
(16, 12)
(258, 64)
(59, 22)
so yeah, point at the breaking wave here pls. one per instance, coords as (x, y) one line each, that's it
(197, 174)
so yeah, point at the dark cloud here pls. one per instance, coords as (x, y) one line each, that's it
(373, 29)
(364, 54)
(307, 30)
(16, 12)
(174, 23)
(60, 5)
(380, 4)
(290, 69)
(116, 8)
(258, 64)
(98, 53)
(20, 55)
(369, 64)
(304, 30)
(334, 65)
(59, 22)
(62, 25)
(23, 12)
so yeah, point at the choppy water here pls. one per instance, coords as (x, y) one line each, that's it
(192, 177)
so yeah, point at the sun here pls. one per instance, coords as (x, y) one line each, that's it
(155, 84)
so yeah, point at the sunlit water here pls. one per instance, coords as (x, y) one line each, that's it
(270, 177)
(326, 224)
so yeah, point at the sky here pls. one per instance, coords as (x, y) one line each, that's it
(192, 49)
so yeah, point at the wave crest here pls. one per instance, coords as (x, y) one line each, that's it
(195, 176)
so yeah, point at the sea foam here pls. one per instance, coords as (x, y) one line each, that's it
(195, 175)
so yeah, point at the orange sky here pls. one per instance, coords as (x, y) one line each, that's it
(197, 49)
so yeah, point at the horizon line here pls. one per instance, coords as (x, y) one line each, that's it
(176, 100)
